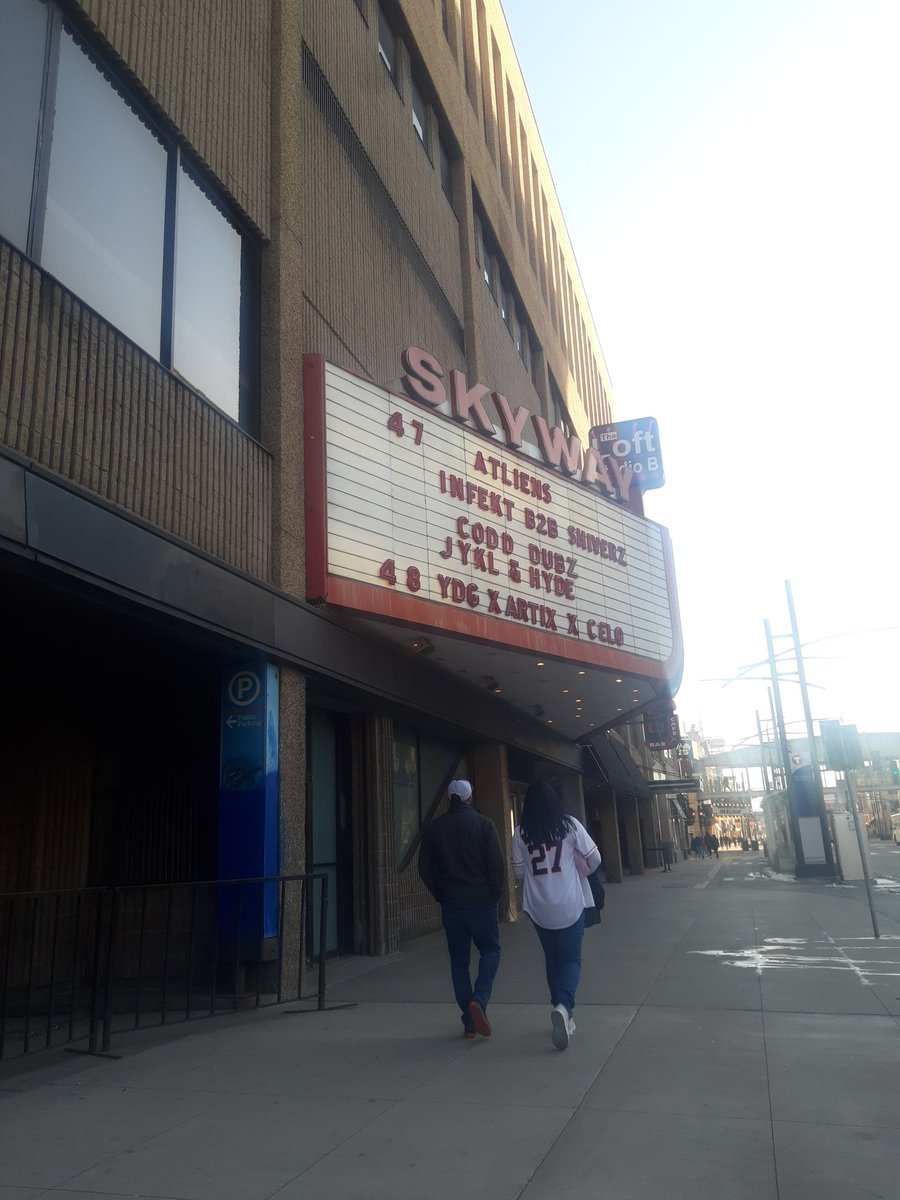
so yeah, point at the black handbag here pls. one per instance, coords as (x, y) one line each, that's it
(598, 891)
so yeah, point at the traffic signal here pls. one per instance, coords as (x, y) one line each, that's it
(895, 770)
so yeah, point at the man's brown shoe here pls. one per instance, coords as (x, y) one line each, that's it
(479, 1018)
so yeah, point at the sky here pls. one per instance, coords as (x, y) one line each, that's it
(730, 178)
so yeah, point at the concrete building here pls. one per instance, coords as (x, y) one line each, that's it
(298, 514)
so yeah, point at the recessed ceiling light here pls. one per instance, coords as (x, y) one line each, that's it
(636, 700)
(618, 681)
(618, 710)
(578, 716)
(549, 720)
(582, 672)
(565, 691)
(540, 664)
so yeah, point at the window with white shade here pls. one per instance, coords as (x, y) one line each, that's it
(106, 202)
(419, 114)
(387, 44)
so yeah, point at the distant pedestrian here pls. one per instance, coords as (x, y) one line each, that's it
(553, 853)
(668, 849)
(712, 844)
(461, 864)
(697, 846)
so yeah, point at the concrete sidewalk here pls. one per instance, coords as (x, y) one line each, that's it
(737, 1036)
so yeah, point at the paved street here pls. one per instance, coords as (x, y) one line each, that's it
(737, 1036)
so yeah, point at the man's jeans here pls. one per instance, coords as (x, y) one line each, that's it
(463, 925)
(562, 957)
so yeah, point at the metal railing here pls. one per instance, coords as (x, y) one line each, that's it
(83, 965)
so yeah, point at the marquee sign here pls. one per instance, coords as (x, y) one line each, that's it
(421, 510)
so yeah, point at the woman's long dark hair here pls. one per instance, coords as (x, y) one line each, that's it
(543, 821)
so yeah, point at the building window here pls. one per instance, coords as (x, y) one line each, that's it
(419, 115)
(525, 348)
(207, 304)
(21, 71)
(559, 414)
(92, 191)
(489, 267)
(446, 174)
(423, 766)
(445, 19)
(479, 241)
(515, 327)
(387, 44)
(104, 218)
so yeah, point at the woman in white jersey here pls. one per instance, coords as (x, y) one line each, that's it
(552, 853)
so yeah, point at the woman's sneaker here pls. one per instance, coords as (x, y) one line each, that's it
(559, 1019)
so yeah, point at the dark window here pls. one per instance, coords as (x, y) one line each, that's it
(96, 194)
(515, 327)
(387, 44)
(423, 766)
(479, 241)
(419, 115)
(490, 272)
(446, 174)
(559, 414)
(525, 347)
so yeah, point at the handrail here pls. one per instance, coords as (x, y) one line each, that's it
(84, 958)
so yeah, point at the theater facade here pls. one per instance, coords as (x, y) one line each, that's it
(300, 514)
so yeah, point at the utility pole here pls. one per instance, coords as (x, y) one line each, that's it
(811, 737)
(778, 714)
(854, 808)
(774, 720)
(763, 757)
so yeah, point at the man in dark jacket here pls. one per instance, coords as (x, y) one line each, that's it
(462, 865)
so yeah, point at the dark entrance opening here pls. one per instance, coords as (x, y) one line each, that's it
(329, 834)
(111, 771)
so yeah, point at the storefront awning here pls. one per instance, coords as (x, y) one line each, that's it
(617, 767)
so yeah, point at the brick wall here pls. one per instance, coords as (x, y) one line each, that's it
(79, 398)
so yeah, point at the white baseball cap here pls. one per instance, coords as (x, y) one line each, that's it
(459, 789)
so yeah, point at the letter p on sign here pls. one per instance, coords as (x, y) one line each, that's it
(243, 688)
